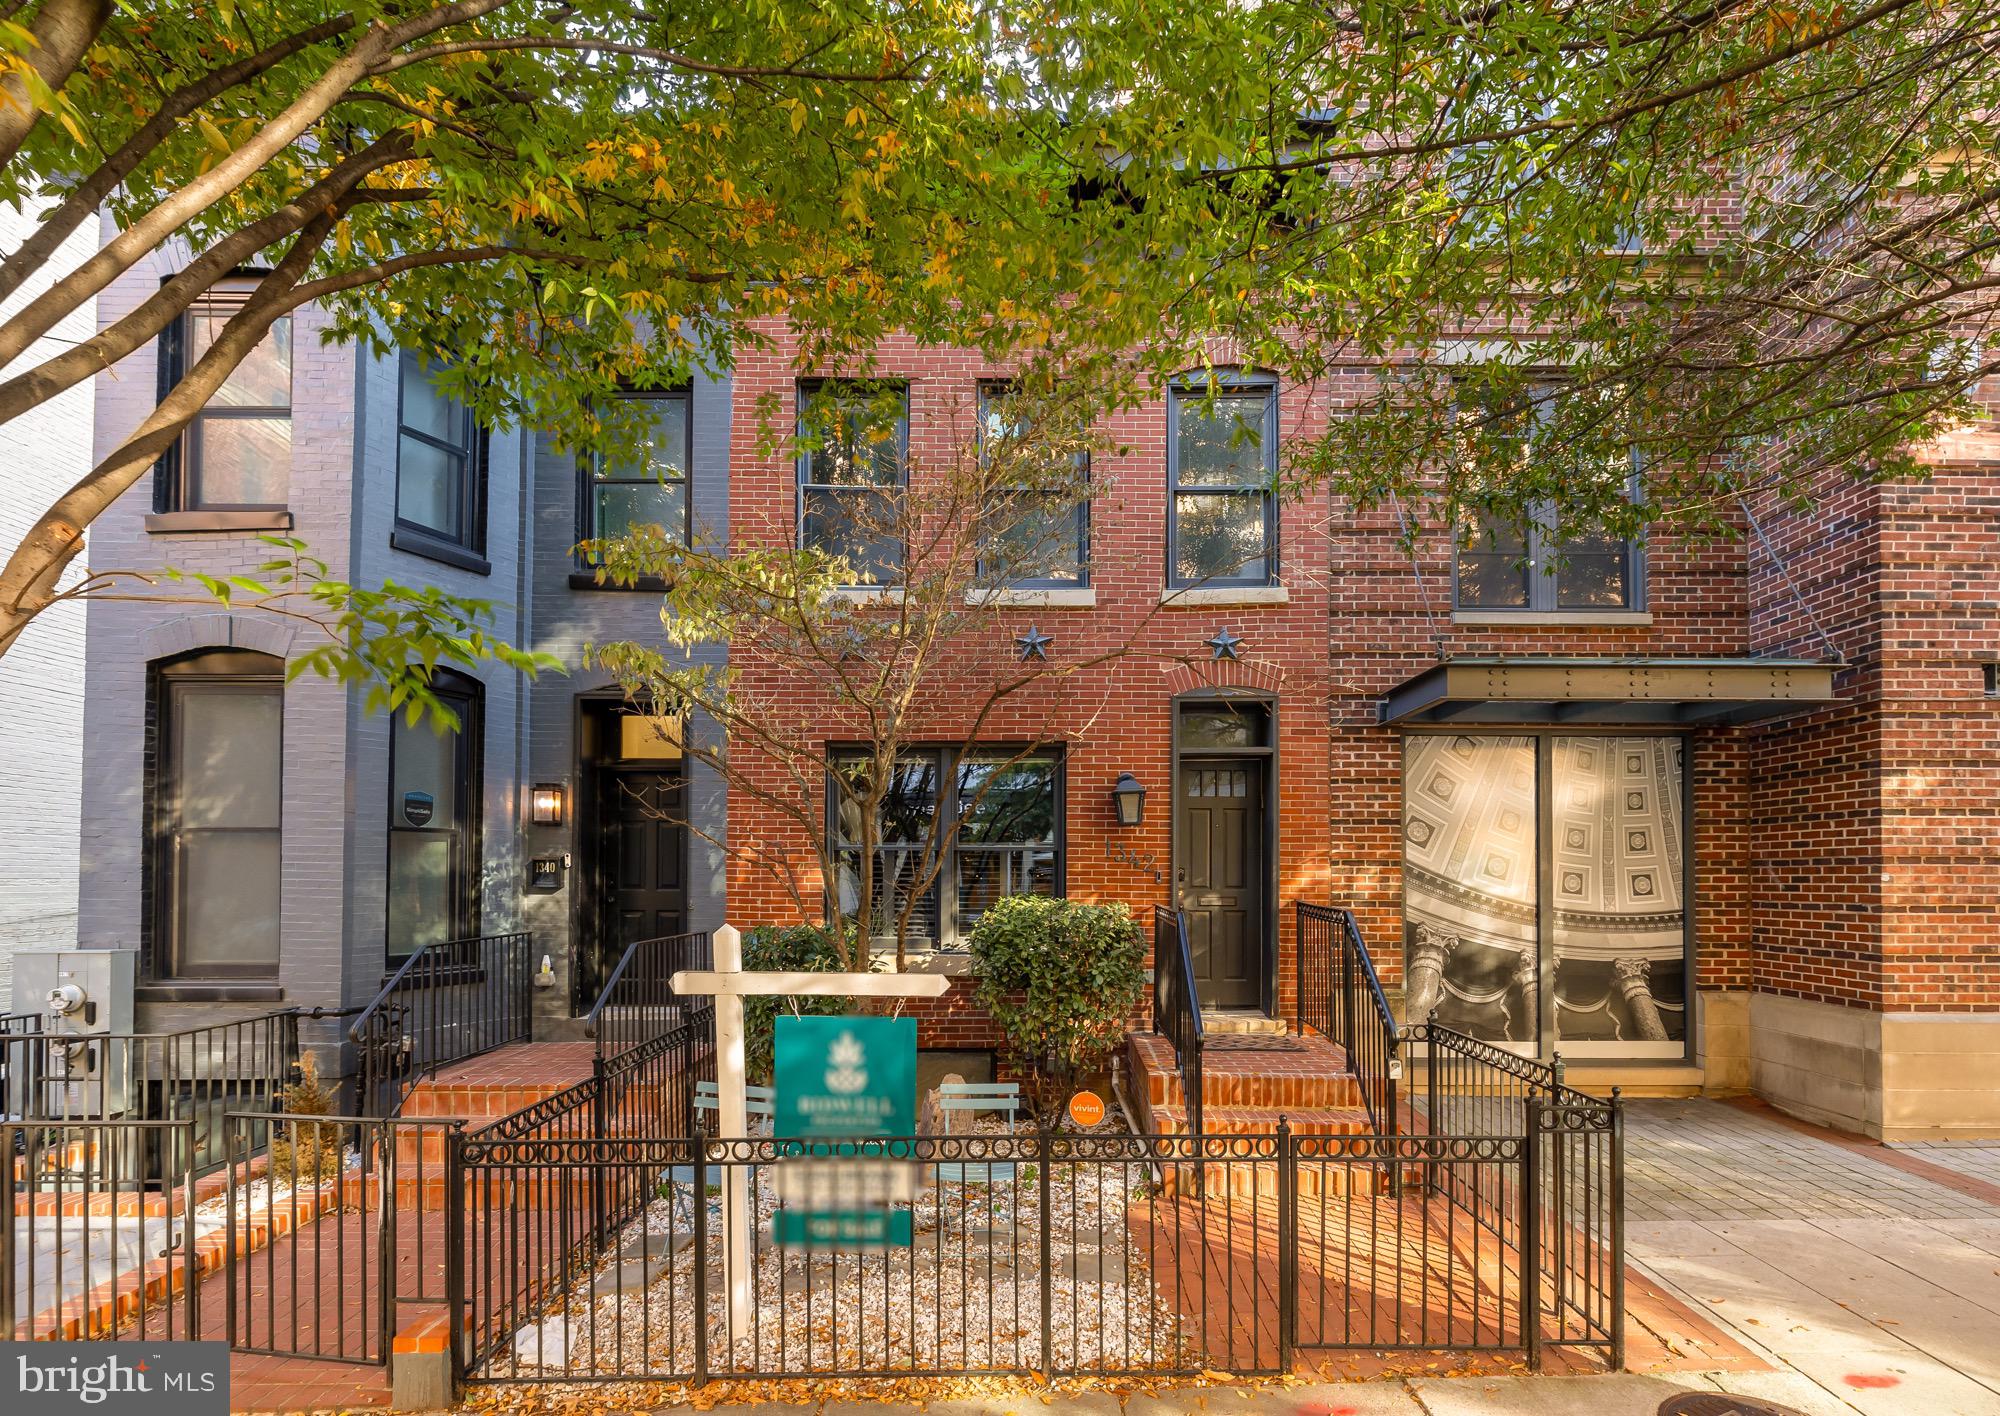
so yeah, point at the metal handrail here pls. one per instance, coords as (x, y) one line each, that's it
(448, 1001)
(1341, 997)
(1176, 1004)
(638, 1002)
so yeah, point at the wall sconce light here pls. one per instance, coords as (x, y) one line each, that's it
(1128, 798)
(545, 804)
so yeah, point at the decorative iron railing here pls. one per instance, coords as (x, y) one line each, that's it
(1176, 1005)
(1340, 997)
(638, 1002)
(445, 1003)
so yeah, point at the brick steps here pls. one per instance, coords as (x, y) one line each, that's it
(1171, 1119)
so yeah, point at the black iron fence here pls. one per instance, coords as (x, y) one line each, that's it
(1341, 998)
(196, 1075)
(638, 1002)
(445, 1003)
(1177, 1005)
(96, 1241)
(1570, 1196)
(1045, 1253)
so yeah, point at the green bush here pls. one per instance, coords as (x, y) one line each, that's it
(792, 948)
(1060, 978)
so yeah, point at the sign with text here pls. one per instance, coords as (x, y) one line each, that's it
(845, 1078)
(116, 1378)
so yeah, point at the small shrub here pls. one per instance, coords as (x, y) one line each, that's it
(794, 948)
(1060, 978)
(312, 1148)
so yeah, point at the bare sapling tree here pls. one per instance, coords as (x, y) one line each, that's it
(891, 614)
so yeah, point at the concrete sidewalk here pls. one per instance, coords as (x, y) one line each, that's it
(1624, 1395)
(1872, 1271)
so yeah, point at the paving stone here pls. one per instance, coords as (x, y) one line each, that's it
(1385, 1398)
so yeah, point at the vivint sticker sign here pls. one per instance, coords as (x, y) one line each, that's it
(117, 1378)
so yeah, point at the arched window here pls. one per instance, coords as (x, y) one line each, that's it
(217, 788)
(434, 796)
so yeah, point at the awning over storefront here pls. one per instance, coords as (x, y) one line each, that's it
(1658, 692)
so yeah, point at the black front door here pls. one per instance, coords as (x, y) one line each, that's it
(1221, 878)
(645, 857)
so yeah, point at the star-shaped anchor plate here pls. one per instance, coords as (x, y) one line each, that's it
(1034, 644)
(1224, 644)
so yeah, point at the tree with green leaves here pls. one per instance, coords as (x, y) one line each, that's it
(549, 201)
(1750, 241)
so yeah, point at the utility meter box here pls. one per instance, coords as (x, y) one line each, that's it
(79, 994)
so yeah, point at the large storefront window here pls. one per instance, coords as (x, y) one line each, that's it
(1543, 889)
(1008, 842)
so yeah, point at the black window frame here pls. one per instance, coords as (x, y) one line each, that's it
(590, 477)
(178, 471)
(1181, 393)
(1541, 552)
(953, 930)
(244, 670)
(809, 389)
(467, 546)
(467, 697)
(988, 390)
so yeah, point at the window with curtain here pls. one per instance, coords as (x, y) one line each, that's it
(434, 825)
(1009, 809)
(440, 462)
(236, 453)
(650, 488)
(854, 441)
(1221, 472)
(218, 786)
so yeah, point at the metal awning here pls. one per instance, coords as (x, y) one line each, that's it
(1663, 692)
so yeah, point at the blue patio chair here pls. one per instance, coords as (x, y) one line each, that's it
(975, 1098)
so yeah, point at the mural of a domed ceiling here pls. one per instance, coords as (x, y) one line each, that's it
(1615, 923)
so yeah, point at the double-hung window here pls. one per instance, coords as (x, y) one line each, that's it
(434, 823)
(651, 488)
(1503, 566)
(853, 446)
(1222, 517)
(1039, 529)
(440, 466)
(236, 454)
(1008, 806)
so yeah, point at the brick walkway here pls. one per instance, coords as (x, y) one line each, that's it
(1872, 1270)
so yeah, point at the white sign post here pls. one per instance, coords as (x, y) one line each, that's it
(730, 985)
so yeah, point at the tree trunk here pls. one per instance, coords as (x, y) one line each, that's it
(28, 583)
(63, 30)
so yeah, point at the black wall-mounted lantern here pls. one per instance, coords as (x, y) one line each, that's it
(1128, 799)
(545, 804)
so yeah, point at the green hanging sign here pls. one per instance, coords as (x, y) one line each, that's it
(845, 1078)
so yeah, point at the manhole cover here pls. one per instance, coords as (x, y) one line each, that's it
(1716, 1403)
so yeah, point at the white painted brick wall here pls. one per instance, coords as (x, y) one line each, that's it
(42, 677)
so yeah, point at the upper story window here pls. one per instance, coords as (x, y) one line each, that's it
(1009, 811)
(236, 454)
(1042, 535)
(440, 463)
(1501, 565)
(434, 823)
(1222, 461)
(853, 448)
(651, 489)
